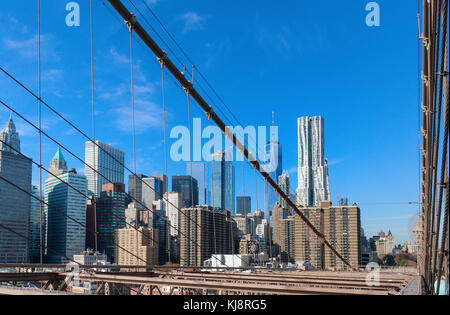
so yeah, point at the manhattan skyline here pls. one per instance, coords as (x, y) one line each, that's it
(368, 161)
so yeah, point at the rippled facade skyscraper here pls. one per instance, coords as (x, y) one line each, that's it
(313, 177)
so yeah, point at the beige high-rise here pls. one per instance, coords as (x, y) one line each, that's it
(137, 247)
(202, 234)
(341, 227)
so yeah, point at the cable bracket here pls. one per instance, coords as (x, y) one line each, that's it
(163, 59)
(131, 22)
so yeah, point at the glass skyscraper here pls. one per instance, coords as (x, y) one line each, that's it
(313, 178)
(223, 183)
(274, 166)
(187, 186)
(200, 173)
(35, 227)
(14, 203)
(63, 234)
(110, 217)
(106, 160)
(243, 205)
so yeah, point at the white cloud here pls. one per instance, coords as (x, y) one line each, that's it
(118, 58)
(192, 21)
(147, 115)
(28, 48)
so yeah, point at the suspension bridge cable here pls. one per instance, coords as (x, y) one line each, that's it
(442, 82)
(94, 201)
(126, 15)
(165, 146)
(182, 64)
(40, 126)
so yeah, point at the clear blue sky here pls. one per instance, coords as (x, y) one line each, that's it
(297, 58)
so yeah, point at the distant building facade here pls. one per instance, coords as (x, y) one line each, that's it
(203, 233)
(173, 203)
(341, 227)
(104, 159)
(137, 247)
(14, 202)
(63, 234)
(223, 183)
(110, 217)
(200, 173)
(187, 187)
(243, 205)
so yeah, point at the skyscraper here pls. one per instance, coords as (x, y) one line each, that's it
(313, 179)
(14, 203)
(110, 217)
(36, 227)
(106, 160)
(200, 173)
(243, 205)
(187, 186)
(198, 227)
(152, 190)
(63, 234)
(135, 186)
(341, 226)
(223, 183)
(173, 204)
(284, 183)
(274, 166)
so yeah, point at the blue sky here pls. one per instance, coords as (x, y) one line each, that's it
(297, 58)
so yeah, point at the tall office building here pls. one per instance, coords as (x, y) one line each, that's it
(63, 234)
(200, 173)
(110, 217)
(106, 160)
(162, 224)
(135, 186)
(279, 213)
(223, 183)
(14, 203)
(37, 226)
(275, 168)
(243, 225)
(163, 185)
(152, 190)
(284, 183)
(313, 178)
(173, 204)
(341, 226)
(187, 186)
(199, 225)
(287, 240)
(243, 205)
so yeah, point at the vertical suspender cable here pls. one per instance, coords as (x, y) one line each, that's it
(40, 133)
(130, 28)
(230, 194)
(94, 201)
(188, 97)
(212, 192)
(165, 148)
